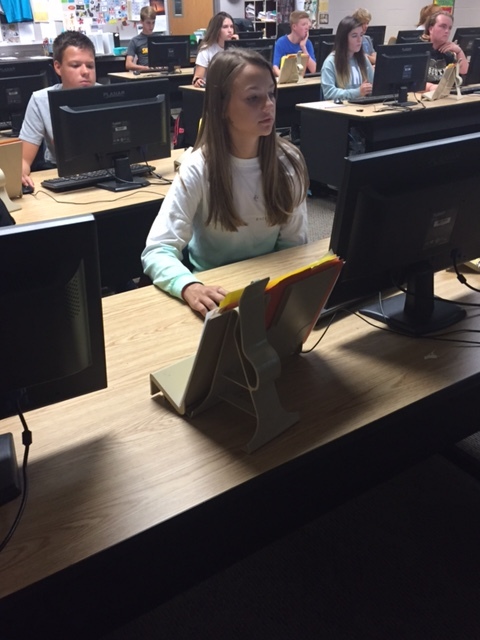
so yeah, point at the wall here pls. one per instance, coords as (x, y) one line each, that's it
(402, 16)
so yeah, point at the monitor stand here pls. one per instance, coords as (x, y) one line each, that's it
(123, 179)
(403, 100)
(416, 312)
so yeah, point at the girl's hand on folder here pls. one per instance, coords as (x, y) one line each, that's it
(202, 298)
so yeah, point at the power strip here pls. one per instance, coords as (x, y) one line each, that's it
(9, 476)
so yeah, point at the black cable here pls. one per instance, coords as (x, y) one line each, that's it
(322, 336)
(27, 441)
(460, 277)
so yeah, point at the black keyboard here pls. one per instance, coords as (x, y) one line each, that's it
(388, 97)
(90, 179)
(467, 90)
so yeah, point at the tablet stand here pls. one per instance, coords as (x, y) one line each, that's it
(241, 349)
(245, 371)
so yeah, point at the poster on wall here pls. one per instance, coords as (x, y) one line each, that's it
(445, 5)
(91, 14)
(323, 12)
(134, 7)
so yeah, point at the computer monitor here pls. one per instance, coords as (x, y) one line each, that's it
(51, 323)
(409, 35)
(111, 127)
(264, 47)
(402, 214)
(18, 81)
(401, 68)
(283, 29)
(377, 34)
(324, 31)
(465, 36)
(250, 35)
(473, 73)
(323, 49)
(168, 52)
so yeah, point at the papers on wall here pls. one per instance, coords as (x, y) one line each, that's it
(26, 32)
(40, 10)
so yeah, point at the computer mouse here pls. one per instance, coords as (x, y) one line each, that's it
(136, 72)
(26, 188)
(338, 101)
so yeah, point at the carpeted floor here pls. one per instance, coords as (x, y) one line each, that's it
(401, 562)
(320, 216)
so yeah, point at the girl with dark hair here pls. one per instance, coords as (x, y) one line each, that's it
(242, 191)
(346, 72)
(220, 29)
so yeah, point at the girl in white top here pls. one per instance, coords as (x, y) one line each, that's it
(219, 30)
(242, 191)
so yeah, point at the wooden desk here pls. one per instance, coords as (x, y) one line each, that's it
(175, 80)
(130, 503)
(289, 95)
(327, 131)
(123, 219)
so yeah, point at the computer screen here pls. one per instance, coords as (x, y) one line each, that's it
(401, 68)
(403, 214)
(323, 49)
(264, 47)
(111, 127)
(409, 35)
(324, 31)
(18, 81)
(283, 29)
(169, 52)
(250, 35)
(473, 73)
(377, 34)
(51, 326)
(464, 37)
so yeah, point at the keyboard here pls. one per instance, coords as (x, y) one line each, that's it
(467, 90)
(388, 97)
(90, 179)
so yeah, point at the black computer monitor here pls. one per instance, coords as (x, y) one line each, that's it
(168, 52)
(402, 214)
(323, 49)
(324, 31)
(465, 36)
(401, 68)
(250, 35)
(264, 47)
(377, 34)
(473, 73)
(51, 323)
(283, 29)
(111, 127)
(409, 35)
(18, 80)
